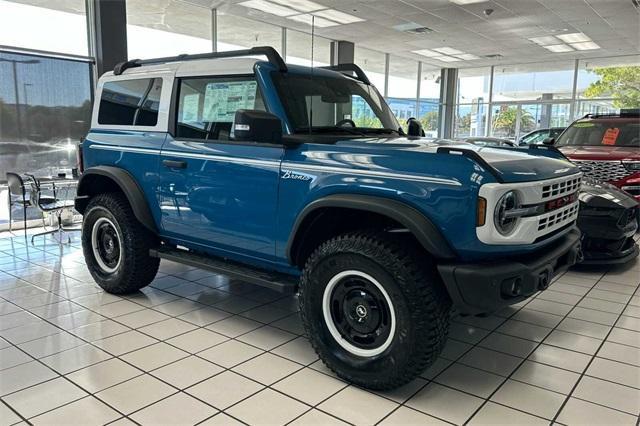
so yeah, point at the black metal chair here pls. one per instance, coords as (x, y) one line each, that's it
(48, 204)
(18, 189)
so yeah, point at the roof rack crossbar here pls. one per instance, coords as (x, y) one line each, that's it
(272, 56)
(360, 75)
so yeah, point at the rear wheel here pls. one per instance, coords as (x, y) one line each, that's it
(374, 309)
(116, 246)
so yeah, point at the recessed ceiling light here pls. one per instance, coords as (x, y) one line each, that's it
(308, 19)
(544, 41)
(574, 37)
(446, 58)
(336, 15)
(301, 5)
(273, 8)
(587, 45)
(467, 1)
(448, 51)
(426, 52)
(559, 48)
(468, 57)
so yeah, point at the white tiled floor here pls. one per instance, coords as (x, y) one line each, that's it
(196, 348)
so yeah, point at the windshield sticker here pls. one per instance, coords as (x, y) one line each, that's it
(610, 136)
(584, 125)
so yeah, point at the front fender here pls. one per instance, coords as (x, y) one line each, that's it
(100, 179)
(417, 223)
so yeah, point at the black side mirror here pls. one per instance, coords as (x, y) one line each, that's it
(414, 127)
(256, 126)
(549, 141)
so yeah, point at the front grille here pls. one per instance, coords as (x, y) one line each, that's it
(605, 171)
(558, 217)
(557, 189)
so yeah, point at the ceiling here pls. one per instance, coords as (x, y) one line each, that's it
(614, 25)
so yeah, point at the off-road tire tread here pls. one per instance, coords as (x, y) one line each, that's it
(425, 295)
(137, 241)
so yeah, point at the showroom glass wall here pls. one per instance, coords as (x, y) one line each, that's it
(511, 100)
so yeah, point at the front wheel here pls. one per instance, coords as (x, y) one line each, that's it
(376, 312)
(116, 246)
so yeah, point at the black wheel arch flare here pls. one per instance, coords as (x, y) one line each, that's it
(127, 185)
(427, 234)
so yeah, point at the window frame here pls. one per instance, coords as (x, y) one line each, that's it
(163, 107)
(175, 104)
(142, 100)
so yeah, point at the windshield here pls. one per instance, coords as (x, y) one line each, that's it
(338, 104)
(603, 132)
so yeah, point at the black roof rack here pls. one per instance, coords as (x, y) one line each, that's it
(360, 75)
(272, 56)
(630, 112)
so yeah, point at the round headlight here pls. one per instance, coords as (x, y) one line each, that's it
(505, 223)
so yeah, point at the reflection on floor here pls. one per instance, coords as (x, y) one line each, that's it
(196, 347)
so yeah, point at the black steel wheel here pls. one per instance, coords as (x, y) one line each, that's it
(116, 246)
(374, 308)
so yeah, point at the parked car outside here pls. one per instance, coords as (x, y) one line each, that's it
(260, 170)
(537, 136)
(489, 141)
(606, 148)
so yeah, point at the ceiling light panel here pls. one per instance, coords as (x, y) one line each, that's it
(587, 45)
(336, 15)
(466, 1)
(559, 48)
(544, 41)
(301, 5)
(426, 52)
(268, 7)
(446, 58)
(308, 19)
(468, 57)
(574, 38)
(448, 51)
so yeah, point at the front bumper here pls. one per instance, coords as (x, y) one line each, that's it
(489, 286)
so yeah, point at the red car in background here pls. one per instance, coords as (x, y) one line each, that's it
(606, 147)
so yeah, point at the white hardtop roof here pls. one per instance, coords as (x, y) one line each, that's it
(217, 66)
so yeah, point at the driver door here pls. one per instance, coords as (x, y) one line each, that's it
(217, 193)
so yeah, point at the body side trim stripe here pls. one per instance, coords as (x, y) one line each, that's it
(313, 168)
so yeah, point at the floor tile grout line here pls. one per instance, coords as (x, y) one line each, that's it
(575, 386)
(236, 314)
(473, 346)
(521, 363)
(179, 390)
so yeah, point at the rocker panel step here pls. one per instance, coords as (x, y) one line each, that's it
(281, 283)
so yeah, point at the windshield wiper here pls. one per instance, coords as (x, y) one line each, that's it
(329, 129)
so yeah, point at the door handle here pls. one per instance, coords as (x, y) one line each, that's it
(173, 164)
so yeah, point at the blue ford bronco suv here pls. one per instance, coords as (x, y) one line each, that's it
(301, 180)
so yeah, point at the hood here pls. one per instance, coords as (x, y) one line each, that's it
(511, 164)
(600, 195)
(601, 152)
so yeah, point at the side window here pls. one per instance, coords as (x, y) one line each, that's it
(207, 105)
(130, 102)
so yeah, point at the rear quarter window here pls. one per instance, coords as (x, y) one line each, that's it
(130, 102)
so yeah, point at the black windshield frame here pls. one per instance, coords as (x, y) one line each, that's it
(293, 88)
